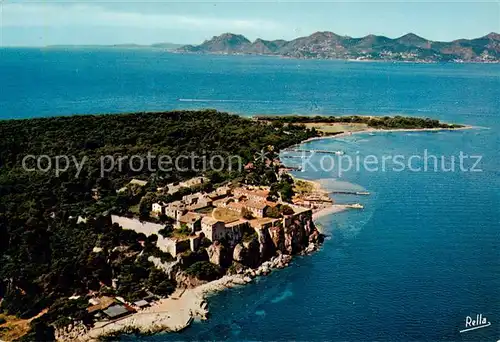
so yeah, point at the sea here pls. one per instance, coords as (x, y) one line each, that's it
(423, 254)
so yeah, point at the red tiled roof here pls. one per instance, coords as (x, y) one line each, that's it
(190, 217)
(256, 205)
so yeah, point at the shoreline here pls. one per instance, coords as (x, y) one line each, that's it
(172, 314)
(333, 209)
(178, 311)
(388, 130)
(327, 209)
(175, 313)
(330, 59)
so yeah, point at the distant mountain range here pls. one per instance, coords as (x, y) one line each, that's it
(165, 46)
(328, 45)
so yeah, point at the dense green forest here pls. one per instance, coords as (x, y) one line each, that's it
(383, 122)
(45, 255)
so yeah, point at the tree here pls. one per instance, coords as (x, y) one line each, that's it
(286, 192)
(39, 331)
(273, 212)
(286, 210)
(246, 213)
(167, 231)
(204, 270)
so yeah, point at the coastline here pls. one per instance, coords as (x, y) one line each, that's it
(333, 209)
(327, 209)
(388, 130)
(172, 314)
(389, 61)
(177, 312)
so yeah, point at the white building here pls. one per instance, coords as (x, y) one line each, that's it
(158, 208)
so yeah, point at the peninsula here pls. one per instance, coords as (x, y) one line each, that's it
(328, 45)
(89, 250)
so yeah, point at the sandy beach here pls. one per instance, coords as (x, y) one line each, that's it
(375, 130)
(333, 209)
(327, 208)
(171, 314)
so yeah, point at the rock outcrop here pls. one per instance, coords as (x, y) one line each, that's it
(296, 235)
(219, 255)
(266, 249)
(252, 258)
(240, 253)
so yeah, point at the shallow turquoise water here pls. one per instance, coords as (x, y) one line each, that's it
(419, 258)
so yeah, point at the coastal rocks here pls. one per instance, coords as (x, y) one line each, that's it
(294, 239)
(170, 268)
(248, 254)
(252, 258)
(310, 248)
(221, 284)
(266, 249)
(279, 261)
(186, 281)
(239, 253)
(216, 254)
(316, 237)
(297, 232)
(71, 332)
(278, 237)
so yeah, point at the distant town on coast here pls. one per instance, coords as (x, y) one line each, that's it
(328, 45)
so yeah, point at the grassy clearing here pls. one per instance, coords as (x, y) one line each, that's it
(303, 187)
(336, 127)
(225, 215)
(14, 327)
(134, 209)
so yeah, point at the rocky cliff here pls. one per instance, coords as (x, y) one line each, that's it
(271, 248)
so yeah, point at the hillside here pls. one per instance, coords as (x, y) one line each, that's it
(328, 45)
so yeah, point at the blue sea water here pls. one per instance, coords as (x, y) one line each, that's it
(411, 266)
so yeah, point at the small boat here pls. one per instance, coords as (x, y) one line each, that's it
(365, 193)
(355, 206)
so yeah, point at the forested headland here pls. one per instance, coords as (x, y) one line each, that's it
(379, 122)
(45, 255)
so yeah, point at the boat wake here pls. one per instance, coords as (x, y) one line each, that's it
(223, 100)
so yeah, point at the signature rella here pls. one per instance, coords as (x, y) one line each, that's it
(477, 322)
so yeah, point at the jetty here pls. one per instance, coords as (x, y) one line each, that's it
(358, 193)
(313, 151)
(292, 168)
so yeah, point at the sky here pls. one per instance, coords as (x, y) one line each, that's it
(40, 23)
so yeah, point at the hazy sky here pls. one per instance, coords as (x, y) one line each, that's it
(30, 23)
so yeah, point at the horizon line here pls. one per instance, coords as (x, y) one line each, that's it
(239, 34)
